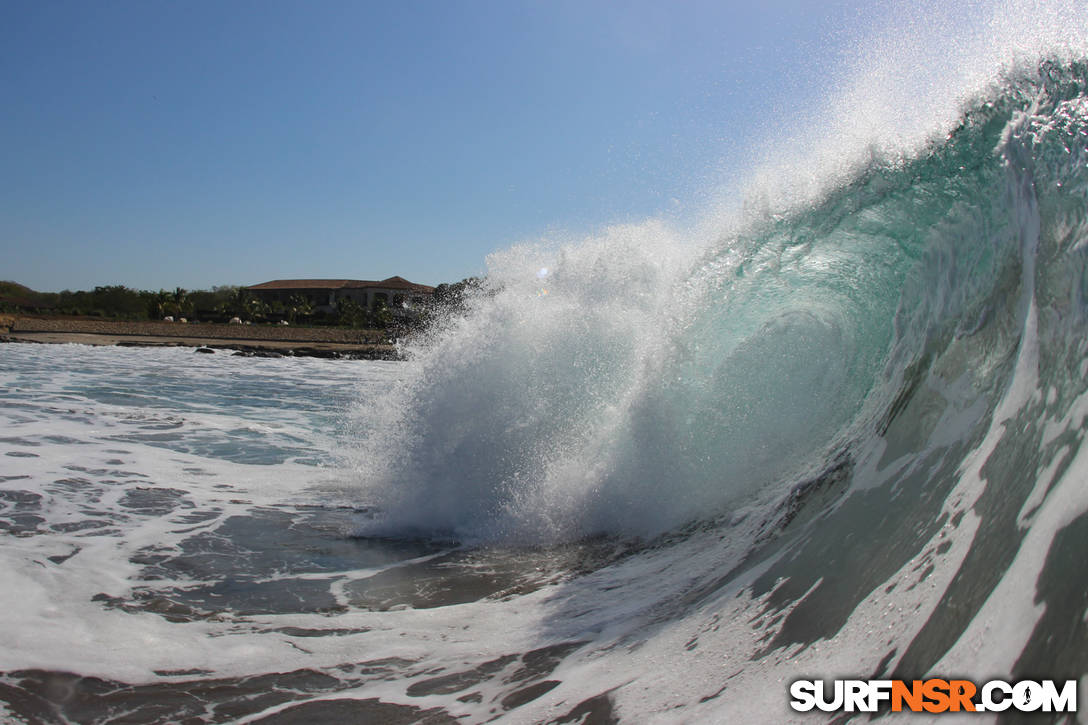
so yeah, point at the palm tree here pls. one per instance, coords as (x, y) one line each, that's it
(158, 305)
(299, 306)
(244, 305)
(181, 302)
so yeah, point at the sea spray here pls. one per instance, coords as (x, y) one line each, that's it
(495, 408)
(909, 334)
(635, 381)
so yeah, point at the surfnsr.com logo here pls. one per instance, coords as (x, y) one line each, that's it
(934, 696)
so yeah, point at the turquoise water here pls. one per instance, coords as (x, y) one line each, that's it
(642, 479)
(723, 370)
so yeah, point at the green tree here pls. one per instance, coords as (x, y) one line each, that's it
(157, 304)
(451, 298)
(180, 303)
(244, 305)
(381, 317)
(350, 314)
(117, 301)
(211, 303)
(298, 306)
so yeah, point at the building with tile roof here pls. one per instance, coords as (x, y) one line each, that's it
(325, 294)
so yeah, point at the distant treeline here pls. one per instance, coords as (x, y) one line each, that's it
(123, 303)
(220, 304)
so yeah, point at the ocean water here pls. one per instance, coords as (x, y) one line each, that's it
(655, 475)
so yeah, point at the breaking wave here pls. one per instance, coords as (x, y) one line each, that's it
(634, 382)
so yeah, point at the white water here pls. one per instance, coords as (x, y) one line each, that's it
(666, 376)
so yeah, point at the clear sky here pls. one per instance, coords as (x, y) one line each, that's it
(160, 144)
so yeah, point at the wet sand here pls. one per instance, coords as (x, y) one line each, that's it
(255, 340)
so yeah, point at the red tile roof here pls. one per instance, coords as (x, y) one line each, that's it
(331, 284)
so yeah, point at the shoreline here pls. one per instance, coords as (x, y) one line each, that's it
(247, 340)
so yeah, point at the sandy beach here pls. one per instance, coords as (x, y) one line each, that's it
(264, 340)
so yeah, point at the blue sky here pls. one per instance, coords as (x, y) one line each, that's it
(161, 144)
